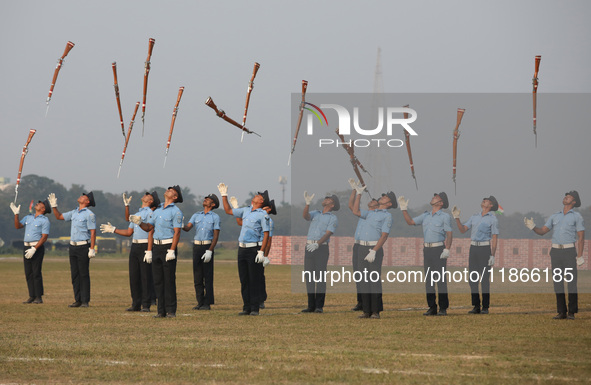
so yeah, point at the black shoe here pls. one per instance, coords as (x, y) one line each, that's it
(357, 307)
(254, 313)
(484, 310)
(307, 310)
(244, 312)
(204, 307)
(84, 304)
(197, 307)
(132, 309)
(38, 300)
(442, 312)
(364, 315)
(171, 315)
(75, 304)
(570, 316)
(475, 310)
(262, 305)
(375, 316)
(29, 300)
(159, 315)
(145, 310)
(431, 311)
(560, 316)
(318, 310)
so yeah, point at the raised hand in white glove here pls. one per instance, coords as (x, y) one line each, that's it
(266, 261)
(455, 212)
(312, 247)
(353, 184)
(371, 256)
(360, 189)
(402, 203)
(15, 209)
(491, 260)
(52, 200)
(108, 228)
(444, 254)
(30, 252)
(135, 219)
(529, 223)
(580, 261)
(148, 256)
(91, 253)
(260, 258)
(223, 189)
(206, 256)
(233, 202)
(126, 200)
(308, 198)
(170, 255)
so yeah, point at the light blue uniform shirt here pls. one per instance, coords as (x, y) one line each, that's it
(165, 220)
(82, 222)
(204, 225)
(138, 233)
(35, 227)
(565, 226)
(271, 228)
(434, 225)
(484, 226)
(376, 223)
(321, 223)
(254, 224)
(359, 228)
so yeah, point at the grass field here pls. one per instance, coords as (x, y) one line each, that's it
(518, 342)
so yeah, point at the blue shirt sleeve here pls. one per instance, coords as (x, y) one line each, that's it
(216, 222)
(332, 225)
(447, 223)
(178, 219)
(239, 212)
(468, 223)
(364, 214)
(387, 224)
(418, 220)
(91, 223)
(548, 223)
(45, 227)
(580, 223)
(494, 228)
(68, 216)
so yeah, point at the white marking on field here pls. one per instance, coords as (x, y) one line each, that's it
(29, 359)
(431, 355)
(108, 362)
(375, 371)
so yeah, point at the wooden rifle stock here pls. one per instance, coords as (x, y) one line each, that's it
(116, 85)
(302, 104)
(69, 46)
(22, 162)
(220, 113)
(456, 136)
(409, 150)
(535, 93)
(174, 112)
(137, 105)
(146, 73)
(353, 158)
(250, 87)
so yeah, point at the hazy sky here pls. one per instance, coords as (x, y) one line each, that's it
(210, 48)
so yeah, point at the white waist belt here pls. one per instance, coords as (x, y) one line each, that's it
(30, 244)
(163, 241)
(485, 243)
(433, 244)
(202, 242)
(140, 241)
(251, 244)
(81, 243)
(565, 246)
(368, 243)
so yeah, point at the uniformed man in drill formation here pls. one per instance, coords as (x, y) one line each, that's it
(82, 242)
(166, 222)
(568, 241)
(437, 233)
(483, 246)
(36, 232)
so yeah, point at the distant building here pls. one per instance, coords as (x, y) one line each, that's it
(4, 183)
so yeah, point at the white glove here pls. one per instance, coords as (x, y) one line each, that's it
(30, 252)
(529, 223)
(491, 260)
(52, 200)
(312, 247)
(360, 189)
(223, 189)
(170, 255)
(402, 203)
(455, 212)
(308, 198)
(91, 253)
(148, 256)
(126, 200)
(353, 184)
(234, 202)
(135, 219)
(266, 261)
(207, 256)
(444, 254)
(260, 258)
(580, 261)
(108, 228)
(15, 209)
(371, 256)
